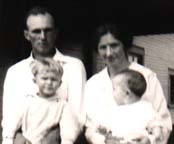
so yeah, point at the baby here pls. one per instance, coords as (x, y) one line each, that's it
(131, 117)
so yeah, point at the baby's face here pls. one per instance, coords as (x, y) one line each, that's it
(120, 88)
(121, 92)
(48, 82)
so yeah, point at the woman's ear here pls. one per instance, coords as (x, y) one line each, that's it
(34, 80)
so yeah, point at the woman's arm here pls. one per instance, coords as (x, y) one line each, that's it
(155, 95)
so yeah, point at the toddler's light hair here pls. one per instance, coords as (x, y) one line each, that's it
(46, 63)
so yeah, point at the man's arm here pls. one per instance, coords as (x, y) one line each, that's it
(11, 115)
(69, 125)
(76, 85)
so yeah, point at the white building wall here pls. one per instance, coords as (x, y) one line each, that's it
(159, 56)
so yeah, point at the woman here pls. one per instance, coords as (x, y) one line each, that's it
(112, 45)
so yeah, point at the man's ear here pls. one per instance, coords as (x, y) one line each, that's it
(26, 35)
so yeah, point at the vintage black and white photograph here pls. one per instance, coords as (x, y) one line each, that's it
(87, 72)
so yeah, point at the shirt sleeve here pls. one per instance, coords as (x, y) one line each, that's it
(12, 109)
(69, 125)
(155, 95)
(91, 133)
(76, 84)
(91, 96)
(7, 141)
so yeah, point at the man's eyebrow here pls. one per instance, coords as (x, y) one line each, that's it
(36, 30)
(40, 29)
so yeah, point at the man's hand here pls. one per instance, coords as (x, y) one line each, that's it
(53, 136)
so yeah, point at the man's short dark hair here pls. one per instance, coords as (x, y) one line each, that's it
(135, 81)
(38, 10)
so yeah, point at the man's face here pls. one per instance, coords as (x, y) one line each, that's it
(41, 33)
(111, 50)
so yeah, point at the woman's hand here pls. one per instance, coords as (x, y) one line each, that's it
(158, 133)
(117, 140)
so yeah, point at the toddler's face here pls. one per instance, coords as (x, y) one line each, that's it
(48, 82)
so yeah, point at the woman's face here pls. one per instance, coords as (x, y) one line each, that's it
(111, 50)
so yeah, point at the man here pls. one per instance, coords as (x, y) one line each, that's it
(41, 32)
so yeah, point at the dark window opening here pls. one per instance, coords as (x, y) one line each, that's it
(136, 54)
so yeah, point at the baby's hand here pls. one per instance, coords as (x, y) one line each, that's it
(110, 139)
(102, 130)
(141, 140)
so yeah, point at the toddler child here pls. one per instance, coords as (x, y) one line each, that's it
(41, 112)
